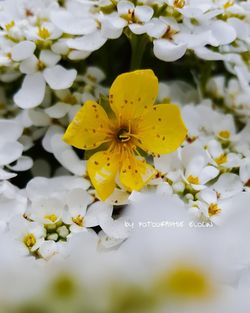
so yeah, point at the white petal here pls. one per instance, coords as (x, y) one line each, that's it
(112, 27)
(39, 118)
(124, 6)
(168, 51)
(242, 28)
(23, 50)
(156, 28)
(29, 66)
(48, 249)
(208, 195)
(78, 200)
(208, 173)
(138, 29)
(195, 166)
(245, 170)
(115, 228)
(78, 55)
(228, 185)
(4, 175)
(118, 197)
(207, 54)
(10, 130)
(24, 163)
(49, 58)
(59, 78)
(108, 242)
(89, 42)
(97, 213)
(72, 24)
(10, 152)
(12, 203)
(52, 130)
(143, 13)
(67, 156)
(58, 110)
(223, 33)
(32, 91)
(60, 47)
(214, 148)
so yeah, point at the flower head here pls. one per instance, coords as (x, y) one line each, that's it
(134, 124)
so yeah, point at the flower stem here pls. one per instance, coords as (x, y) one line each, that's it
(138, 44)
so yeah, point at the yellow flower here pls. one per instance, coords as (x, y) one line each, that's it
(134, 123)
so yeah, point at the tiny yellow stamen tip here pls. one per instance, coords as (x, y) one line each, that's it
(43, 33)
(51, 217)
(193, 180)
(221, 159)
(225, 134)
(9, 25)
(179, 4)
(213, 209)
(29, 240)
(228, 4)
(78, 220)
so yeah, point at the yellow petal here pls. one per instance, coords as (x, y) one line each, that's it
(133, 93)
(89, 128)
(102, 168)
(161, 130)
(135, 173)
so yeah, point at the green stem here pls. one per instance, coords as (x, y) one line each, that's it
(138, 45)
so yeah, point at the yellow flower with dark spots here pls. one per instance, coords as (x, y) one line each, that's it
(135, 124)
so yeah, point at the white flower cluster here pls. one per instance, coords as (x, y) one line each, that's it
(184, 236)
(212, 167)
(36, 36)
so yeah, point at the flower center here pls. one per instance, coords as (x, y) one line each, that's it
(43, 33)
(51, 217)
(221, 159)
(193, 180)
(213, 209)
(29, 240)
(123, 135)
(79, 220)
(179, 4)
(225, 134)
(186, 282)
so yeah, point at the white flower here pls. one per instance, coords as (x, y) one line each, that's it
(203, 120)
(221, 157)
(12, 203)
(166, 48)
(11, 150)
(74, 22)
(65, 155)
(212, 206)
(177, 91)
(23, 50)
(198, 170)
(227, 185)
(242, 140)
(46, 211)
(77, 201)
(65, 104)
(38, 72)
(29, 235)
(48, 249)
(39, 187)
(135, 16)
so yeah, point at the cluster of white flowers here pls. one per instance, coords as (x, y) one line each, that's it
(36, 36)
(212, 167)
(191, 219)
